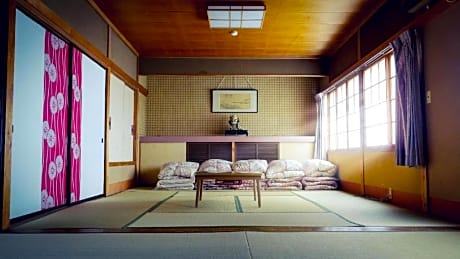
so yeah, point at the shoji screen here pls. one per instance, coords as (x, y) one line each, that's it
(121, 121)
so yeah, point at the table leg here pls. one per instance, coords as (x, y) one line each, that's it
(254, 188)
(197, 193)
(201, 188)
(258, 193)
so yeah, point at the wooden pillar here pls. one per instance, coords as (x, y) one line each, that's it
(7, 30)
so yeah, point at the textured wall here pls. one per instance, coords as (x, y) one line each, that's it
(181, 106)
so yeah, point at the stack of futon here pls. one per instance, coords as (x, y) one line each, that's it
(177, 176)
(284, 175)
(319, 175)
(215, 166)
(253, 166)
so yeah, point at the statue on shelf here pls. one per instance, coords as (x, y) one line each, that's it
(234, 122)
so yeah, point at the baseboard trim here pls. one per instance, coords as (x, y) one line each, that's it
(402, 199)
(120, 186)
(406, 200)
(445, 209)
(350, 187)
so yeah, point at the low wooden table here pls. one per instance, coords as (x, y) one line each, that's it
(200, 176)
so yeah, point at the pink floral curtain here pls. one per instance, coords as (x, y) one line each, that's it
(76, 126)
(55, 121)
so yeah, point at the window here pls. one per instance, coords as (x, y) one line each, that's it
(344, 116)
(354, 121)
(371, 121)
(379, 102)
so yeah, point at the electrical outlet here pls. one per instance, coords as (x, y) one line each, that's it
(428, 96)
(390, 193)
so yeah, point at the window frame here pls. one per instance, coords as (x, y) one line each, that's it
(386, 56)
(344, 84)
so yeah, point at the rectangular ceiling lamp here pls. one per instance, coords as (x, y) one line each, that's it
(234, 15)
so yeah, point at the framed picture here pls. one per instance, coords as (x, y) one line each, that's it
(234, 100)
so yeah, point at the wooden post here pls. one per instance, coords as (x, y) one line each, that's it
(7, 30)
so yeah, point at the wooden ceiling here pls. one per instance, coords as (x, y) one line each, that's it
(291, 28)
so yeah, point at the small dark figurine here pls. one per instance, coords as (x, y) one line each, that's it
(234, 122)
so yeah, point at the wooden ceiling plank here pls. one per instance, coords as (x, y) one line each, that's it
(292, 28)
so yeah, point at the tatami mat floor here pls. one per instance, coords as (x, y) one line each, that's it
(241, 245)
(146, 208)
(100, 229)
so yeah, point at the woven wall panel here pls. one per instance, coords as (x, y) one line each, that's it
(181, 106)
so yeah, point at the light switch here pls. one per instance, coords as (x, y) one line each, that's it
(428, 96)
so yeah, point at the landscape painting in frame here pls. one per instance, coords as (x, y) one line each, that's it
(234, 100)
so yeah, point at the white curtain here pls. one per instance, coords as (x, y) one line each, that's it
(321, 127)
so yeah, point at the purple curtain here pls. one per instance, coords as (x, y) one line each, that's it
(410, 105)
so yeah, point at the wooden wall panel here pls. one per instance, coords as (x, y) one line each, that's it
(153, 155)
(197, 66)
(350, 166)
(442, 70)
(386, 22)
(122, 55)
(346, 56)
(92, 27)
(296, 150)
(200, 152)
(264, 151)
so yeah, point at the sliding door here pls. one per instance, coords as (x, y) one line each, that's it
(40, 119)
(57, 153)
(88, 124)
(93, 128)
(121, 121)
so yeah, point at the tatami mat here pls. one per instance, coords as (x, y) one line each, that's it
(241, 245)
(151, 208)
(240, 219)
(282, 203)
(186, 204)
(111, 212)
(353, 245)
(368, 212)
(236, 201)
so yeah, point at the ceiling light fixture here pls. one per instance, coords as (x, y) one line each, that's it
(245, 15)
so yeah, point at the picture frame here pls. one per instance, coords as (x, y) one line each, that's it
(234, 100)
